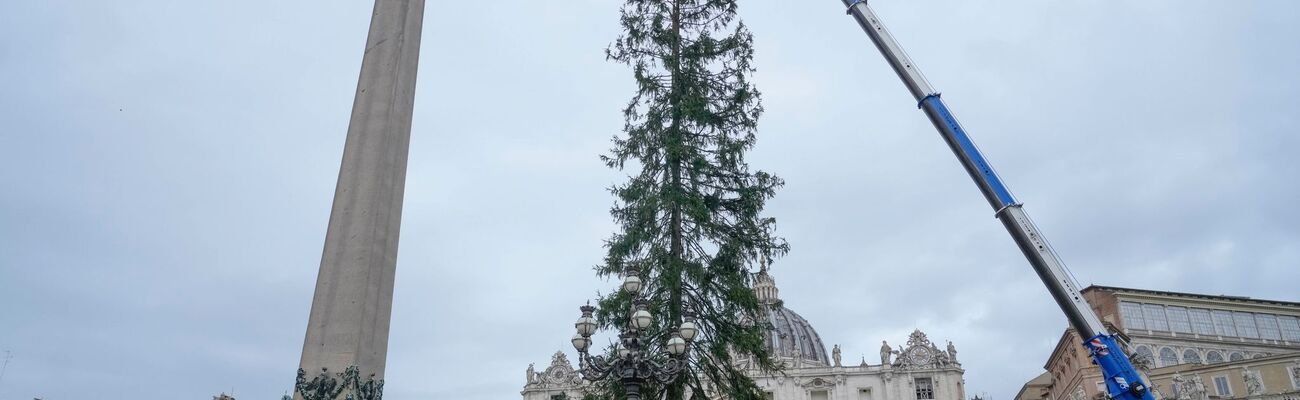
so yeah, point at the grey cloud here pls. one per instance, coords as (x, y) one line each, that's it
(169, 249)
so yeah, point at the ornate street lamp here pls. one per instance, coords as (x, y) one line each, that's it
(631, 363)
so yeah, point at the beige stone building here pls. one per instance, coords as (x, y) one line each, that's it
(919, 370)
(1190, 346)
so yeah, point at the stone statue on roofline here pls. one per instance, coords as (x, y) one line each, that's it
(885, 352)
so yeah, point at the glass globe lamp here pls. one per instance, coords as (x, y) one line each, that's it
(676, 345)
(642, 319)
(585, 325)
(581, 343)
(631, 284)
(688, 330)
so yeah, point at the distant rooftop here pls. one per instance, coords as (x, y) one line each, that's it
(1244, 299)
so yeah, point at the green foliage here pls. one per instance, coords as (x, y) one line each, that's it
(690, 213)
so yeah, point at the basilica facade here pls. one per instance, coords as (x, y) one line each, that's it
(918, 370)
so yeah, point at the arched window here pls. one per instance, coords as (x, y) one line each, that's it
(1213, 357)
(1191, 356)
(1144, 352)
(1237, 356)
(1168, 357)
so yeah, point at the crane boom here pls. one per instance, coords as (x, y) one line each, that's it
(1122, 379)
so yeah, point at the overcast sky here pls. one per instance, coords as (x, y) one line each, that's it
(166, 171)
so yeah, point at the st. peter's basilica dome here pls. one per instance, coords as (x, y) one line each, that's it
(791, 337)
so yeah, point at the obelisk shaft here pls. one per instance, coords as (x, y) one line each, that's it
(350, 312)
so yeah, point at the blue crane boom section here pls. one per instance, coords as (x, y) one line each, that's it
(1122, 380)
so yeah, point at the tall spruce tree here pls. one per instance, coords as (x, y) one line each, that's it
(690, 214)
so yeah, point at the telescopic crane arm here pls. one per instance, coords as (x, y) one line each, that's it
(1122, 380)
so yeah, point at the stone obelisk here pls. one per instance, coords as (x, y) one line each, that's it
(347, 333)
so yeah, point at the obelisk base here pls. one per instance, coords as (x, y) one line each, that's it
(348, 384)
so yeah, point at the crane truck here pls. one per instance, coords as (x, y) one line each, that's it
(1122, 380)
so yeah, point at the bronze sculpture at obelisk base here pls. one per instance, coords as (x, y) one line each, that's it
(347, 334)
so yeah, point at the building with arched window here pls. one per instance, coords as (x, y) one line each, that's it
(918, 370)
(1215, 357)
(1168, 356)
(1191, 346)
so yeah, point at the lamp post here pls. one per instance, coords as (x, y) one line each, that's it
(632, 363)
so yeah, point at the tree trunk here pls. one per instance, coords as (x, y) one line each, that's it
(675, 389)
